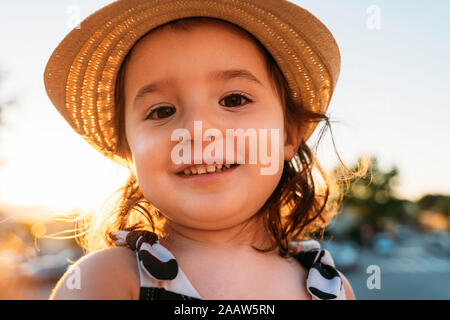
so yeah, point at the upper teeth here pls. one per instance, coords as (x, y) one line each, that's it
(201, 168)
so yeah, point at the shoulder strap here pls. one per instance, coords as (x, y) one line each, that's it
(323, 280)
(160, 263)
(158, 267)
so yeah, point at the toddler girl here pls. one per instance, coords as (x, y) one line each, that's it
(209, 104)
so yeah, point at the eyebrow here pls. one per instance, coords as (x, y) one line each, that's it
(219, 75)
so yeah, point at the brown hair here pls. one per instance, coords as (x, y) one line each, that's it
(296, 209)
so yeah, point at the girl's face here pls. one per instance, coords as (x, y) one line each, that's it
(182, 63)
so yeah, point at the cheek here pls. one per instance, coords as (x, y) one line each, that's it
(271, 143)
(263, 180)
(144, 148)
(264, 176)
(149, 156)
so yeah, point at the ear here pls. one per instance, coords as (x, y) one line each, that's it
(293, 134)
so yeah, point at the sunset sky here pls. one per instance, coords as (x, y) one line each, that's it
(391, 100)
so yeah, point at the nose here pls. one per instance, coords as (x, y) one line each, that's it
(202, 122)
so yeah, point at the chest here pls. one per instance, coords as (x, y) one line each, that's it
(234, 280)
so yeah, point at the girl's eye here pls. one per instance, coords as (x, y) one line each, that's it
(161, 113)
(235, 100)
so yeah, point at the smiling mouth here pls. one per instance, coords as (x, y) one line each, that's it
(206, 169)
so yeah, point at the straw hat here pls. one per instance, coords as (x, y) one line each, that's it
(80, 75)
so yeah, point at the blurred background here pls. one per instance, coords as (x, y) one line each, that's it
(391, 103)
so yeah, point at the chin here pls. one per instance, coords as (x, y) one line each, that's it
(209, 217)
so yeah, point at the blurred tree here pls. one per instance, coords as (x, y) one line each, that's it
(435, 202)
(372, 198)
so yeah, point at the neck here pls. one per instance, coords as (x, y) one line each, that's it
(239, 238)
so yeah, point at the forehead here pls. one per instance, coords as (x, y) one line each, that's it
(192, 53)
(202, 31)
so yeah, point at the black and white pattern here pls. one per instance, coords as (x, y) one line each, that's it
(324, 281)
(160, 276)
(162, 279)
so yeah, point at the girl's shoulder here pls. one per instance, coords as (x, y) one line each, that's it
(109, 273)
